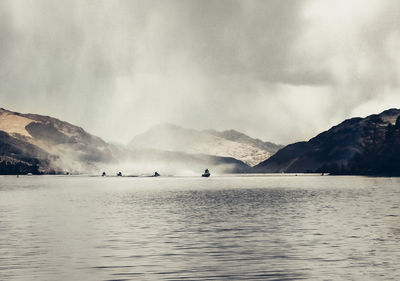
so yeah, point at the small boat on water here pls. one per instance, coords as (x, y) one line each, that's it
(206, 173)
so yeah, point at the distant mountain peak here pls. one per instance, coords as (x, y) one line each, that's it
(229, 143)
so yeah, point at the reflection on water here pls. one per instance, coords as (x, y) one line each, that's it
(220, 228)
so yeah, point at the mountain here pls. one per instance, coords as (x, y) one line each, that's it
(168, 137)
(31, 143)
(356, 146)
(37, 143)
(239, 137)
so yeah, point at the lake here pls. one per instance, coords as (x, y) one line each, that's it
(244, 227)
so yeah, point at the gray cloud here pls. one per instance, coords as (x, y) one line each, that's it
(278, 70)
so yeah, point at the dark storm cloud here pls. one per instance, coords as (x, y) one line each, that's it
(280, 70)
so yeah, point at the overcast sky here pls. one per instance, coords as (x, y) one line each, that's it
(278, 70)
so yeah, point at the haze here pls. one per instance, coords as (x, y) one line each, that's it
(278, 70)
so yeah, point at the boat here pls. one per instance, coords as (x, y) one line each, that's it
(206, 173)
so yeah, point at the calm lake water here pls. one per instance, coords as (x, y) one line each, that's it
(193, 228)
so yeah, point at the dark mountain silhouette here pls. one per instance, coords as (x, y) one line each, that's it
(356, 146)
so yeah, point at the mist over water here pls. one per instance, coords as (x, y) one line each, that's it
(220, 228)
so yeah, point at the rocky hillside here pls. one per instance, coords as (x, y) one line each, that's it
(380, 157)
(168, 137)
(44, 144)
(356, 146)
(239, 137)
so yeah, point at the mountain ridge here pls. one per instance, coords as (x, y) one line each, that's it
(334, 150)
(231, 143)
(32, 143)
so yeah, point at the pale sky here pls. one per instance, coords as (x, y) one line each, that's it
(278, 70)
